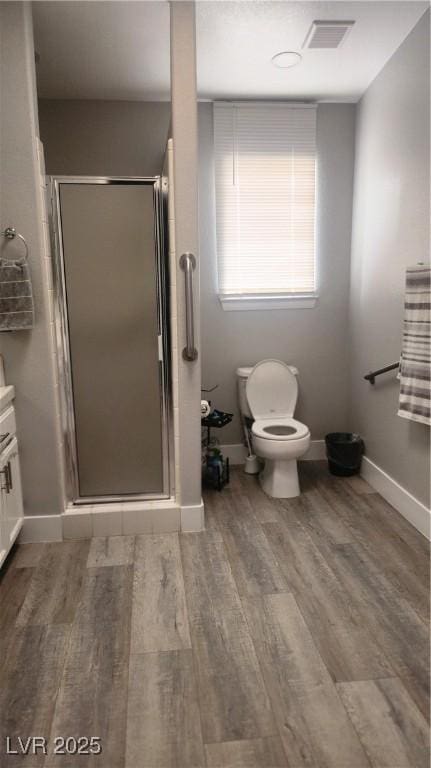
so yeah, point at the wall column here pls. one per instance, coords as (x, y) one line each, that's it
(28, 355)
(185, 150)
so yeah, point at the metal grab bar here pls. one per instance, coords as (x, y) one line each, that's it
(371, 377)
(188, 264)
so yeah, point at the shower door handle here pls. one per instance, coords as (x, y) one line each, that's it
(188, 264)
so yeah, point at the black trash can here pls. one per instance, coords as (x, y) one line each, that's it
(344, 451)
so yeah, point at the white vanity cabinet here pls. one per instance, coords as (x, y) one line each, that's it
(11, 495)
(11, 506)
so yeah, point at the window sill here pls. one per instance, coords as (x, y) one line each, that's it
(233, 303)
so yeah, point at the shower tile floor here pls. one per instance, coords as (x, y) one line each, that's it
(289, 633)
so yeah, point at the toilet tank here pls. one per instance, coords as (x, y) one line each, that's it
(242, 375)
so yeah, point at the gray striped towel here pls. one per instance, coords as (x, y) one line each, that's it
(414, 375)
(16, 297)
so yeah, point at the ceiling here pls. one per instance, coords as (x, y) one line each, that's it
(236, 41)
(120, 50)
(102, 50)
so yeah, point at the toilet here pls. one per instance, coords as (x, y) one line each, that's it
(268, 394)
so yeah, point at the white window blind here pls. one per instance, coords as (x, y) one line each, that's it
(265, 159)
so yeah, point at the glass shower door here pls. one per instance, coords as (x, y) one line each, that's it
(111, 270)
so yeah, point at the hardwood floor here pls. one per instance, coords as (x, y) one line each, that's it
(289, 633)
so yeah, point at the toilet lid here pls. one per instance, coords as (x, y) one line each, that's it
(272, 390)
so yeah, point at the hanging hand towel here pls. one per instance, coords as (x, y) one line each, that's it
(16, 297)
(415, 386)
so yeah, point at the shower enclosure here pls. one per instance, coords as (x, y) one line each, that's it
(112, 338)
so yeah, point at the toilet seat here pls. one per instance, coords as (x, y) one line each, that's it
(282, 429)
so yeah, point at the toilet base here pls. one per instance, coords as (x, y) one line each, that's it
(279, 478)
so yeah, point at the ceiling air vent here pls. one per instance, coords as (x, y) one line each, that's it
(327, 34)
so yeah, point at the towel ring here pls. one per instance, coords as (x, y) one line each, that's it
(10, 233)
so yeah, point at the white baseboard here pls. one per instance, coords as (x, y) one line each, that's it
(192, 518)
(236, 453)
(41, 528)
(404, 502)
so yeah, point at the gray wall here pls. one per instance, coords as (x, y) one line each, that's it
(390, 231)
(27, 354)
(315, 340)
(104, 138)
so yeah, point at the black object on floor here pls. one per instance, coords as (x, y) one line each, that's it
(215, 470)
(344, 451)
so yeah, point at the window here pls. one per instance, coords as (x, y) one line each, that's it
(265, 171)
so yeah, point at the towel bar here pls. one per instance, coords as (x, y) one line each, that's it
(10, 233)
(371, 377)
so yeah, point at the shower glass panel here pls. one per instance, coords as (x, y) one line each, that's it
(110, 280)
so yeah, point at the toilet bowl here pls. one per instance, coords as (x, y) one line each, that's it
(271, 393)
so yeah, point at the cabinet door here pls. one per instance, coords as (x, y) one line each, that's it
(12, 494)
(4, 534)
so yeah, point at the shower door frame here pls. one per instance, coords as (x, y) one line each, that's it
(61, 322)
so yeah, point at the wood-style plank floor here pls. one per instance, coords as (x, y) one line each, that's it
(289, 633)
